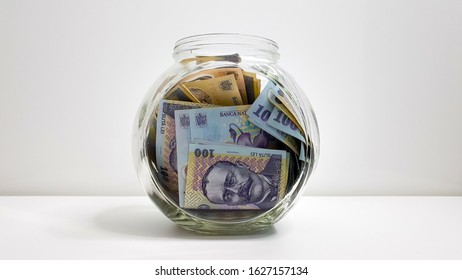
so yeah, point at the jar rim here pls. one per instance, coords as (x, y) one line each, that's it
(224, 38)
(216, 44)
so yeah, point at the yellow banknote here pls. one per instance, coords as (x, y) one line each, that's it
(218, 91)
(179, 93)
(220, 72)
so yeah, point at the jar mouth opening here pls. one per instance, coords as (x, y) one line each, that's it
(224, 38)
(224, 41)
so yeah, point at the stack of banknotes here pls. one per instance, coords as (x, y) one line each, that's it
(223, 143)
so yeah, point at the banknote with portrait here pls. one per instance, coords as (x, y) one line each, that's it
(235, 177)
(229, 124)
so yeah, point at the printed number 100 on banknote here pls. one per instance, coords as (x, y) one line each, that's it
(227, 177)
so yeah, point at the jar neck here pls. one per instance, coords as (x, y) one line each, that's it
(227, 46)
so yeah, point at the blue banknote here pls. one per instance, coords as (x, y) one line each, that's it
(283, 123)
(259, 113)
(166, 159)
(227, 125)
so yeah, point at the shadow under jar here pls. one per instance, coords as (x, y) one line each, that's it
(251, 64)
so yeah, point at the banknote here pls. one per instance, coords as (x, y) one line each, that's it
(183, 138)
(179, 93)
(220, 72)
(290, 108)
(166, 159)
(218, 91)
(283, 123)
(278, 104)
(238, 75)
(229, 125)
(182, 157)
(279, 119)
(257, 88)
(260, 112)
(233, 178)
(250, 80)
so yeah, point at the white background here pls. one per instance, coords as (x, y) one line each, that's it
(384, 77)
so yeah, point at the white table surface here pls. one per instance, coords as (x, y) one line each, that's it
(316, 228)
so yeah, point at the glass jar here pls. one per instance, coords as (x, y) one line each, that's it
(203, 54)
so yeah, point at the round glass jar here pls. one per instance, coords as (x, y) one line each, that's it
(256, 56)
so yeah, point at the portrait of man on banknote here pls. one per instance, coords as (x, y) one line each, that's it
(231, 183)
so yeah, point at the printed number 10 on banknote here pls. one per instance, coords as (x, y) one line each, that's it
(227, 177)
